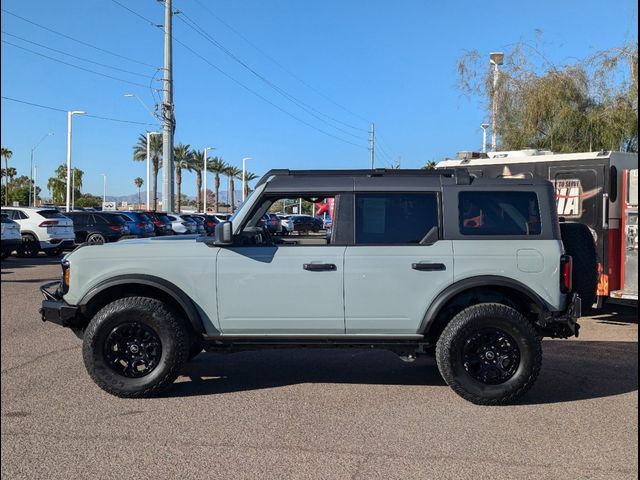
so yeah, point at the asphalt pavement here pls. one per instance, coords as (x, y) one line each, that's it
(353, 414)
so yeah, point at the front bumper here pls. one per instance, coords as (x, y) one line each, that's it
(564, 324)
(54, 309)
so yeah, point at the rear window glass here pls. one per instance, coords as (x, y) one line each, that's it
(499, 213)
(50, 213)
(392, 218)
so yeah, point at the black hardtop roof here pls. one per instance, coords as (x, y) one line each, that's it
(282, 180)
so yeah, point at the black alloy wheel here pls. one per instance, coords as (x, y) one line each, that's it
(132, 350)
(491, 356)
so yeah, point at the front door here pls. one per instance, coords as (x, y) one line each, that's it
(397, 265)
(281, 289)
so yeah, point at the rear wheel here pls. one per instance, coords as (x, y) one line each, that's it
(489, 354)
(135, 347)
(30, 246)
(579, 243)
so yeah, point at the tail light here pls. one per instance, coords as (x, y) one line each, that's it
(157, 223)
(140, 225)
(48, 223)
(211, 223)
(116, 228)
(566, 274)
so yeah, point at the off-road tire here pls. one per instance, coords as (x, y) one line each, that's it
(30, 246)
(579, 243)
(153, 314)
(450, 346)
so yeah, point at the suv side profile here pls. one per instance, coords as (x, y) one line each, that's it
(417, 262)
(96, 228)
(42, 229)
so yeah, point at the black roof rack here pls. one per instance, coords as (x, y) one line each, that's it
(461, 175)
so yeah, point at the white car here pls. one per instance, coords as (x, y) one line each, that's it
(285, 221)
(181, 226)
(11, 239)
(42, 229)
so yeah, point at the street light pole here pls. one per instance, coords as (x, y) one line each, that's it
(148, 166)
(484, 127)
(69, 117)
(496, 59)
(204, 179)
(32, 188)
(244, 176)
(104, 187)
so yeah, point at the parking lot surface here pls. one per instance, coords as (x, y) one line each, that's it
(353, 414)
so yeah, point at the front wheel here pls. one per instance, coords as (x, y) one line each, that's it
(135, 347)
(489, 354)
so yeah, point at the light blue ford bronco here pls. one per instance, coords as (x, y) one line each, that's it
(472, 270)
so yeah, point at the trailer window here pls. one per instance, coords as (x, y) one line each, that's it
(499, 213)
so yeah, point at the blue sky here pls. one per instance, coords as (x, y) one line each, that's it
(393, 63)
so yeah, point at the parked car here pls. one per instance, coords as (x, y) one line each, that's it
(139, 224)
(11, 238)
(285, 221)
(209, 221)
(480, 293)
(161, 222)
(271, 222)
(97, 228)
(306, 223)
(199, 222)
(180, 226)
(42, 229)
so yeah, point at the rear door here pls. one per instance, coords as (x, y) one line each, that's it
(398, 263)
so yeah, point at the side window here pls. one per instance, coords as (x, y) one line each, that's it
(100, 220)
(10, 213)
(21, 215)
(395, 218)
(79, 219)
(499, 213)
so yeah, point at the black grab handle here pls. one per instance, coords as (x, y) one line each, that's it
(319, 267)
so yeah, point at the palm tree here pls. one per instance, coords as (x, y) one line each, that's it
(155, 151)
(138, 183)
(197, 164)
(233, 173)
(248, 177)
(181, 160)
(430, 165)
(6, 154)
(218, 167)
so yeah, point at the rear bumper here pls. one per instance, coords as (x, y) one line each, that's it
(54, 243)
(564, 324)
(54, 309)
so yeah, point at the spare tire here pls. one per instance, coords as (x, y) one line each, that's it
(579, 243)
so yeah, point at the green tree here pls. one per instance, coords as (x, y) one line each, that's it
(57, 185)
(181, 161)
(138, 182)
(233, 173)
(218, 167)
(19, 190)
(197, 165)
(591, 104)
(155, 150)
(248, 177)
(87, 200)
(6, 154)
(430, 165)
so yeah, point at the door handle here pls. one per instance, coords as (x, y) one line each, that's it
(319, 267)
(428, 267)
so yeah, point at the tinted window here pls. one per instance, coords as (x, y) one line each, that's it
(50, 213)
(78, 218)
(395, 218)
(499, 213)
(100, 220)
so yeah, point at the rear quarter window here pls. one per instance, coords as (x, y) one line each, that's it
(50, 213)
(497, 213)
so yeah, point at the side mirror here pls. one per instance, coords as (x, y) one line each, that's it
(224, 234)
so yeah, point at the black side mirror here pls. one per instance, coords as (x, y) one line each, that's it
(224, 234)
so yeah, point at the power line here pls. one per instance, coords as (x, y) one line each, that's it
(78, 41)
(76, 57)
(285, 69)
(238, 82)
(98, 117)
(137, 14)
(74, 66)
(299, 103)
(286, 112)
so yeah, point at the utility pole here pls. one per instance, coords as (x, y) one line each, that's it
(372, 145)
(168, 120)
